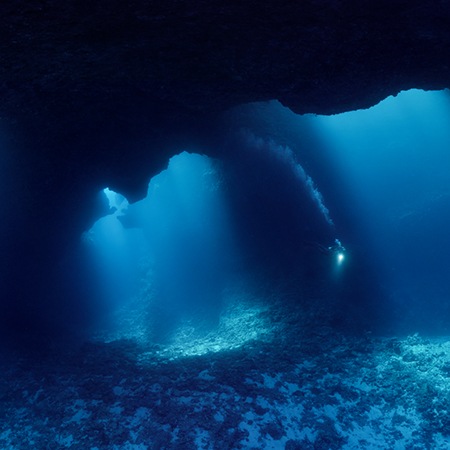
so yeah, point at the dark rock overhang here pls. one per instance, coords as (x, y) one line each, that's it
(76, 73)
(314, 56)
(102, 93)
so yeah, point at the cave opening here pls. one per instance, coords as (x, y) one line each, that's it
(221, 239)
(392, 161)
(196, 264)
(162, 261)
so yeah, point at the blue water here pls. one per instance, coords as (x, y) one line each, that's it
(393, 164)
(271, 204)
(258, 297)
(207, 225)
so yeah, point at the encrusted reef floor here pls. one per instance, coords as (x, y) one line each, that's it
(293, 389)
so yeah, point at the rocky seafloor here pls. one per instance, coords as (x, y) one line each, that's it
(288, 389)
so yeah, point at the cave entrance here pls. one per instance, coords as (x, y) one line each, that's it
(393, 163)
(200, 260)
(164, 262)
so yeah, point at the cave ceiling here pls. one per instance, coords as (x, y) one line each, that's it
(69, 64)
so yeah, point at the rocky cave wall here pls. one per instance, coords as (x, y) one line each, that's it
(101, 94)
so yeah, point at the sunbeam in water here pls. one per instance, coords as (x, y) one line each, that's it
(235, 305)
(394, 160)
(175, 267)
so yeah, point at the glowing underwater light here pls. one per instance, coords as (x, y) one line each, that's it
(340, 258)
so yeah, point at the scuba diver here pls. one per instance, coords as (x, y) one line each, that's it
(337, 250)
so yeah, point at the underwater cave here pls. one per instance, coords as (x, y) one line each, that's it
(345, 249)
(290, 236)
(225, 225)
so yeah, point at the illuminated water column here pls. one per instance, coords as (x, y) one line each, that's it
(393, 161)
(115, 252)
(166, 259)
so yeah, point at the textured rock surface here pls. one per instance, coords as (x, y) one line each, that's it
(101, 94)
(322, 57)
(312, 391)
